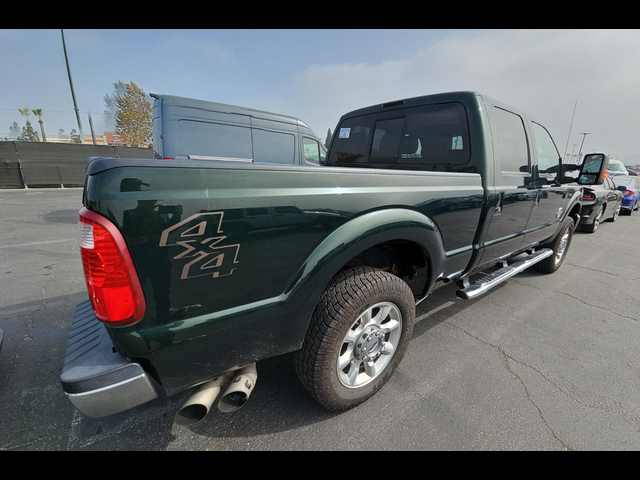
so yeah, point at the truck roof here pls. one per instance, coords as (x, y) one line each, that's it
(461, 96)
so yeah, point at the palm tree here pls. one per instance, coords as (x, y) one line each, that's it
(25, 112)
(38, 112)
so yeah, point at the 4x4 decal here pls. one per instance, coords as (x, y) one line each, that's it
(200, 235)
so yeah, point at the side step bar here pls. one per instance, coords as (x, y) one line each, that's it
(486, 283)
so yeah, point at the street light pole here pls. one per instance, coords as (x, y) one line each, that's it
(73, 95)
(584, 135)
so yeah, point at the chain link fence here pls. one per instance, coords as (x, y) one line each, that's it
(28, 165)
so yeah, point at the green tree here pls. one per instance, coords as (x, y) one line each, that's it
(132, 113)
(28, 133)
(110, 106)
(327, 140)
(75, 136)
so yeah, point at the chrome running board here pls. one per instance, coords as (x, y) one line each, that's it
(486, 283)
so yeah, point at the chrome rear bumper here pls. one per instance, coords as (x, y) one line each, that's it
(95, 378)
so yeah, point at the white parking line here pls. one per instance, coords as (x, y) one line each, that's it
(38, 243)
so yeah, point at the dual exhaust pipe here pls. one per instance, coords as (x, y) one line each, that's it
(235, 396)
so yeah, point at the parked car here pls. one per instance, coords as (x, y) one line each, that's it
(616, 167)
(601, 199)
(630, 188)
(192, 274)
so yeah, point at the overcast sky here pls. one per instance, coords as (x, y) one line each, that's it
(318, 75)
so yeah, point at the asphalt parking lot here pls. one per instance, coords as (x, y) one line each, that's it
(543, 362)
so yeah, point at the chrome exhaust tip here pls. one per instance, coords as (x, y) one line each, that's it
(199, 404)
(240, 389)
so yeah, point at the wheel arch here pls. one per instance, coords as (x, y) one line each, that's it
(400, 233)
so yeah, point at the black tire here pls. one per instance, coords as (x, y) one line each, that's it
(592, 227)
(353, 293)
(560, 246)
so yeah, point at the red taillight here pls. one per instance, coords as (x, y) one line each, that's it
(588, 196)
(628, 193)
(112, 281)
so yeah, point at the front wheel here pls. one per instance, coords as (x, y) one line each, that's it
(358, 335)
(560, 246)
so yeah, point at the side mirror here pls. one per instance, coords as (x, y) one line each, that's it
(622, 188)
(594, 169)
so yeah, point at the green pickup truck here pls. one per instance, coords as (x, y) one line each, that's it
(244, 239)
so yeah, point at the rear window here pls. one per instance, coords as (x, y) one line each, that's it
(416, 138)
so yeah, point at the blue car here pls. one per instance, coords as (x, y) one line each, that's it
(631, 199)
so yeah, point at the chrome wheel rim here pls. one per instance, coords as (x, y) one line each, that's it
(596, 221)
(562, 248)
(369, 345)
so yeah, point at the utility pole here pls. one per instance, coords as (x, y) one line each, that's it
(570, 127)
(572, 150)
(93, 134)
(580, 152)
(73, 95)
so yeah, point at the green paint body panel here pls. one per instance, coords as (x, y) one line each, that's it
(233, 257)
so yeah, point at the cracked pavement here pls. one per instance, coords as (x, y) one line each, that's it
(542, 362)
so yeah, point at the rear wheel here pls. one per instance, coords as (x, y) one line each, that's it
(358, 335)
(616, 214)
(592, 227)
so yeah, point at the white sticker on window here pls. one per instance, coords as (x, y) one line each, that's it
(456, 143)
(345, 132)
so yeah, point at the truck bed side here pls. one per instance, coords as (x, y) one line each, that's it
(224, 251)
